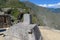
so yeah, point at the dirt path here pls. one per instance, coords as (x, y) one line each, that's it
(1, 38)
(50, 34)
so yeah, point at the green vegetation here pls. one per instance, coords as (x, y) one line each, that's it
(44, 16)
(11, 3)
(16, 7)
(34, 20)
(15, 13)
(40, 15)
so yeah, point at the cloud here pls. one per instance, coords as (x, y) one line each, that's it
(57, 5)
(43, 5)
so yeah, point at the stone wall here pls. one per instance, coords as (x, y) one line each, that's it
(23, 31)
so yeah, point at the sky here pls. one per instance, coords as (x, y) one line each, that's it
(47, 3)
(44, 1)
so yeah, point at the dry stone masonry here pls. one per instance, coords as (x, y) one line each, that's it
(23, 31)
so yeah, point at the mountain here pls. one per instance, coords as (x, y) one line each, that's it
(55, 10)
(45, 17)
(11, 3)
(41, 15)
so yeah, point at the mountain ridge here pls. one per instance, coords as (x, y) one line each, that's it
(55, 10)
(44, 16)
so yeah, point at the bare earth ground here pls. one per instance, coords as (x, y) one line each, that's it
(1, 38)
(50, 34)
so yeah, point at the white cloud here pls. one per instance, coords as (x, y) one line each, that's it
(57, 5)
(43, 5)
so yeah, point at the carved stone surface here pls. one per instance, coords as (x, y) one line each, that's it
(27, 19)
(23, 31)
(18, 31)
